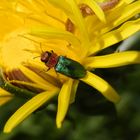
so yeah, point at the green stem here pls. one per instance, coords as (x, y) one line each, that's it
(19, 92)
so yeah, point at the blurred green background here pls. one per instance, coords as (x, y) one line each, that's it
(91, 117)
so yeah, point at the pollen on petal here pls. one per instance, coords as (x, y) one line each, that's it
(97, 9)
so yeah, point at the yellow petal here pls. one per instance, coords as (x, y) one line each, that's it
(9, 22)
(64, 6)
(80, 24)
(122, 4)
(63, 102)
(61, 4)
(36, 78)
(73, 12)
(38, 6)
(126, 14)
(4, 96)
(79, 20)
(97, 9)
(43, 87)
(114, 18)
(55, 33)
(115, 36)
(113, 60)
(27, 109)
(74, 89)
(13, 41)
(128, 1)
(102, 86)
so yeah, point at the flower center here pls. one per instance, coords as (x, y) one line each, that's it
(14, 50)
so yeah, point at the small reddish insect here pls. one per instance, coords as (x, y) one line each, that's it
(49, 58)
(86, 11)
(63, 65)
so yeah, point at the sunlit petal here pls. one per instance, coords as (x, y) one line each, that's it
(80, 23)
(55, 33)
(115, 36)
(102, 86)
(113, 60)
(128, 1)
(97, 9)
(27, 109)
(13, 20)
(43, 87)
(126, 14)
(61, 4)
(35, 78)
(63, 102)
(32, 27)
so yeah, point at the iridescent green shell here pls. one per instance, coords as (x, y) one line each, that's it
(70, 68)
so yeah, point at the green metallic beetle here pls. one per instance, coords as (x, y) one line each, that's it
(63, 65)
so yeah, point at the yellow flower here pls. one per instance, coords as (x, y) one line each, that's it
(31, 27)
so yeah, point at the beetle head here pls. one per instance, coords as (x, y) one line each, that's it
(45, 56)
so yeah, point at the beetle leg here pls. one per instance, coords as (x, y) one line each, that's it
(48, 69)
(52, 51)
(36, 57)
(44, 70)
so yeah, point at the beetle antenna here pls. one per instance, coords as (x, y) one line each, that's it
(52, 51)
(36, 57)
(44, 70)
(24, 36)
(40, 44)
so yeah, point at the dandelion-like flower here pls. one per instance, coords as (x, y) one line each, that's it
(75, 30)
